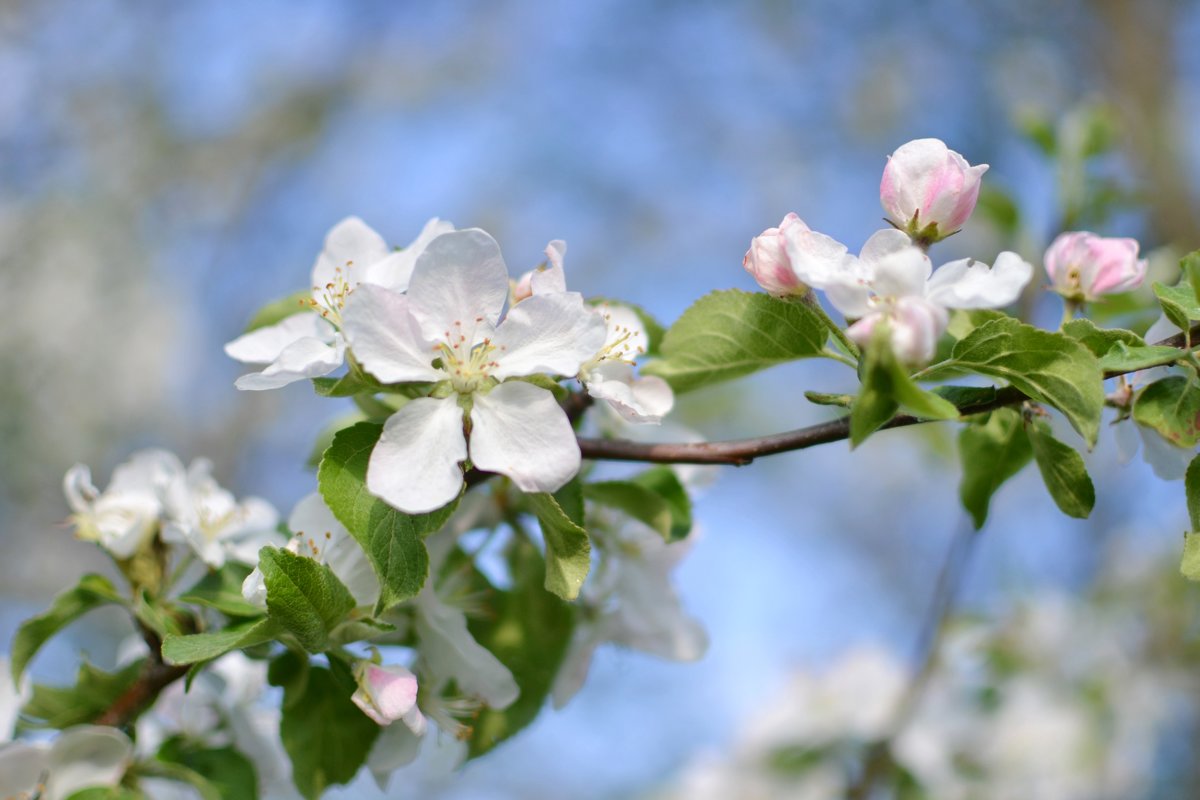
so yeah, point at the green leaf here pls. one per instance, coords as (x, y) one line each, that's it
(886, 387)
(1063, 472)
(326, 736)
(730, 333)
(106, 793)
(1123, 358)
(1190, 264)
(1100, 340)
(1179, 303)
(278, 310)
(568, 551)
(392, 539)
(1051, 368)
(529, 632)
(666, 484)
(199, 647)
(91, 592)
(93, 693)
(304, 597)
(1191, 486)
(348, 385)
(1171, 407)
(636, 501)
(992, 451)
(222, 770)
(966, 396)
(155, 615)
(222, 590)
(826, 399)
(1189, 566)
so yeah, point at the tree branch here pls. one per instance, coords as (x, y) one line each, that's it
(156, 676)
(739, 452)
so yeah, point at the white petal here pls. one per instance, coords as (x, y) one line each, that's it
(624, 330)
(11, 699)
(519, 430)
(549, 333)
(264, 345)
(85, 756)
(647, 399)
(79, 489)
(385, 337)
(22, 767)
(967, 283)
(415, 465)
(551, 278)
(452, 652)
(574, 669)
(311, 520)
(351, 245)
(898, 268)
(302, 359)
(394, 270)
(396, 747)
(1125, 435)
(1168, 461)
(458, 284)
(818, 260)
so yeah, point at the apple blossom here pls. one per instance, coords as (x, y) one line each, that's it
(893, 281)
(318, 535)
(447, 331)
(769, 258)
(309, 344)
(125, 516)
(1083, 266)
(82, 757)
(929, 190)
(386, 693)
(213, 523)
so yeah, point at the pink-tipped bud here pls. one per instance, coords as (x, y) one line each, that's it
(929, 190)
(1083, 266)
(386, 693)
(767, 259)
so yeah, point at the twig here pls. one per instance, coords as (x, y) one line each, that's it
(156, 676)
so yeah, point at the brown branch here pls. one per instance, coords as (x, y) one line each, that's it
(739, 452)
(156, 676)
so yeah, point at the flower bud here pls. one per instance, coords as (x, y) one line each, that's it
(386, 693)
(929, 190)
(1083, 266)
(914, 325)
(767, 259)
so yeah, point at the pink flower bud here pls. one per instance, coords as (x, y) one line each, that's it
(1083, 266)
(767, 259)
(386, 693)
(928, 189)
(914, 324)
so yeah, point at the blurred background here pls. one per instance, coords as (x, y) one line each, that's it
(166, 169)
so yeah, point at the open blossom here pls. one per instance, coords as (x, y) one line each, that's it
(127, 514)
(787, 259)
(893, 281)
(1083, 266)
(386, 693)
(309, 344)
(447, 331)
(318, 535)
(608, 375)
(81, 757)
(928, 189)
(211, 521)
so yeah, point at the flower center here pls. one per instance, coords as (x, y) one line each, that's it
(328, 300)
(468, 366)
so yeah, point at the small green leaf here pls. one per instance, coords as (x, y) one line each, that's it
(222, 770)
(886, 387)
(1191, 486)
(326, 736)
(529, 632)
(91, 592)
(826, 399)
(1179, 303)
(1171, 407)
(1063, 472)
(222, 589)
(199, 647)
(568, 551)
(1123, 358)
(1051, 368)
(731, 333)
(1189, 566)
(155, 615)
(966, 396)
(992, 451)
(278, 310)
(666, 484)
(1100, 340)
(107, 793)
(93, 693)
(347, 385)
(393, 540)
(1190, 264)
(304, 597)
(636, 501)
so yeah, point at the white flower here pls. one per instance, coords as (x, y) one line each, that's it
(318, 535)
(309, 344)
(386, 693)
(447, 331)
(213, 523)
(82, 757)
(12, 697)
(636, 606)
(609, 374)
(126, 515)
(893, 281)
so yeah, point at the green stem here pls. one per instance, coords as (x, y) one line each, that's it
(838, 355)
(850, 347)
